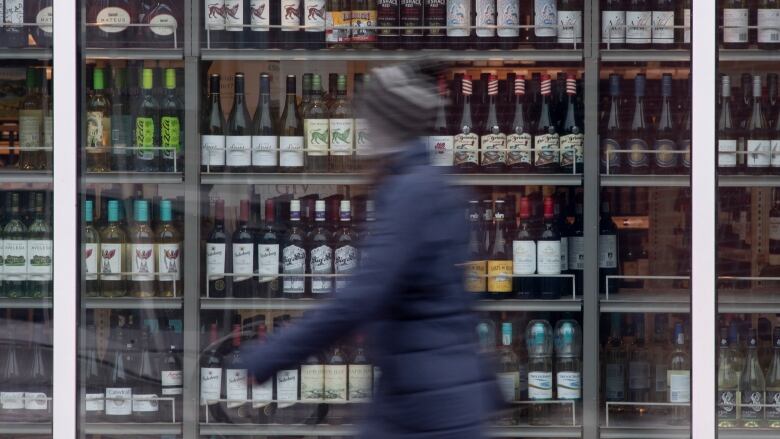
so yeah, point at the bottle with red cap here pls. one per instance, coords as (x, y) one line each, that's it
(524, 254)
(571, 133)
(548, 255)
(519, 141)
(466, 142)
(546, 139)
(268, 240)
(493, 138)
(243, 255)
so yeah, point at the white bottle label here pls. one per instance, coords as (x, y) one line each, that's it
(39, 255)
(234, 15)
(45, 19)
(466, 147)
(30, 123)
(171, 381)
(570, 27)
(94, 402)
(660, 378)
(545, 18)
(15, 263)
(291, 15)
(314, 15)
(564, 253)
(243, 261)
(142, 259)
(262, 394)
(540, 385)
(638, 375)
(215, 15)
(362, 137)
(458, 18)
(90, 261)
(486, 16)
(638, 27)
(727, 153)
(616, 382)
(312, 382)
(508, 383)
(345, 262)
(239, 150)
(613, 28)
(286, 387)
(576, 253)
(360, 382)
(11, 400)
(268, 261)
(210, 385)
(212, 150)
(546, 147)
(569, 385)
(291, 151)
(524, 257)
(341, 136)
(440, 150)
(607, 251)
(548, 257)
(663, 27)
(519, 146)
(259, 14)
(317, 136)
(163, 25)
(335, 382)
(493, 148)
(111, 261)
(236, 387)
(774, 228)
(119, 401)
(169, 256)
(111, 20)
(321, 262)
(145, 403)
(679, 385)
(293, 262)
(215, 260)
(687, 24)
(758, 153)
(735, 25)
(571, 149)
(775, 157)
(508, 15)
(264, 150)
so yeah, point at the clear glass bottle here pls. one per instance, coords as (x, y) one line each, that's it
(39, 251)
(508, 375)
(140, 253)
(169, 246)
(342, 130)
(568, 368)
(113, 241)
(315, 129)
(773, 383)
(728, 384)
(752, 387)
(679, 379)
(540, 370)
(91, 249)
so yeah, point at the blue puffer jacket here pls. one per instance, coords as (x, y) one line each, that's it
(410, 300)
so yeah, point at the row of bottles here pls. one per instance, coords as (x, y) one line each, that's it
(140, 23)
(27, 23)
(30, 144)
(742, 23)
(645, 24)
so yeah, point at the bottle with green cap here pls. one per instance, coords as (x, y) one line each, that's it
(113, 241)
(146, 126)
(168, 253)
(538, 339)
(91, 239)
(315, 129)
(31, 124)
(342, 130)
(98, 125)
(39, 251)
(140, 253)
(171, 126)
(14, 252)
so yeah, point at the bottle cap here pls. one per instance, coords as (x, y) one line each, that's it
(265, 83)
(270, 211)
(170, 79)
(345, 211)
(113, 211)
(520, 85)
(319, 210)
(725, 89)
(466, 85)
(243, 211)
(525, 208)
(238, 84)
(165, 210)
(295, 210)
(88, 211)
(666, 85)
(756, 86)
(141, 211)
(614, 84)
(549, 207)
(98, 79)
(214, 83)
(639, 85)
(147, 81)
(290, 84)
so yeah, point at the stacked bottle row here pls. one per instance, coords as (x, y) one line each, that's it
(132, 370)
(26, 23)
(142, 23)
(742, 23)
(133, 124)
(644, 24)
(318, 239)
(29, 143)
(138, 258)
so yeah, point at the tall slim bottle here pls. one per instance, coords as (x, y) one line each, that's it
(262, 393)
(291, 34)
(568, 366)
(440, 140)
(571, 132)
(728, 384)
(342, 130)
(268, 255)
(146, 126)
(169, 241)
(94, 379)
(435, 16)
(113, 242)
(119, 386)
(499, 259)
(171, 126)
(638, 366)
(294, 255)
(364, 15)
(459, 21)
(546, 139)
(613, 134)
(140, 253)
(639, 24)
(508, 375)
(31, 124)
(291, 139)
(613, 24)
(492, 138)
(727, 131)
(320, 254)
(147, 384)
(608, 256)
(238, 138)
(666, 161)
(752, 387)
(39, 251)
(679, 379)
(639, 137)
(570, 24)
(524, 255)
(313, 15)
(316, 129)
(411, 17)
(98, 126)
(260, 34)
(212, 136)
(476, 266)
(265, 141)
(345, 254)
(216, 253)
(388, 15)
(538, 337)
(236, 382)
(243, 255)
(120, 121)
(466, 142)
(485, 18)
(615, 362)
(768, 22)
(91, 249)
(758, 134)
(519, 141)
(11, 378)
(13, 13)
(211, 380)
(170, 368)
(773, 383)
(548, 255)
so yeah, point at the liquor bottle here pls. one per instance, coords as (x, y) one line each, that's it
(411, 18)
(519, 141)
(169, 246)
(568, 367)
(147, 385)
(238, 138)
(140, 252)
(773, 383)
(212, 138)
(639, 24)
(260, 34)
(164, 19)
(31, 124)
(571, 133)
(440, 142)
(119, 386)
(316, 129)
(666, 161)
(342, 130)
(679, 379)
(660, 348)
(335, 385)
(727, 131)
(548, 255)
(120, 120)
(214, 24)
(211, 380)
(435, 16)
(735, 24)
(338, 17)
(113, 19)
(91, 239)
(638, 364)
(146, 122)
(320, 254)
(728, 384)
(171, 126)
(236, 382)
(492, 139)
(476, 267)
(39, 252)
(608, 256)
(264, 139)
(98, 126)
(570, 24)
(758, 134)
(113, 242)
(466, 141)
(459, 22)
(291, 139)
(345, 253)
(639, 135)
(545, 21)
(508, 375)
(243, 255)
(613, 133)
(663, 21)
(216, 253)
(268, 240)
(752, 387)
(538, 337)
(613, 24)
(313, 15)
(524, 255)
(388, 15)
(499, 256)
(768, 21)
(485, 15)
(95, 386)
(263, 393)
(170, 368)
(294, 255)
(546, 139)
(363, 16)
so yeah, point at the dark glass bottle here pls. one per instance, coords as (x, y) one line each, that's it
(663, 33)
(608, 246)
(265, 141)
(758, 134)
(639, 24)
(492, 138)
(165, 18)
(768, 22)
(291, 138)
(211, 380)
(613, 22)
(294, 255)
(466, 142)
(548, 255)
(172, 126)
(243, 251)
(440, 141)
(345, 259)
(519, 141)
(686, 130)
(236, 382)
(411, 16)
(147, 384)
(666, 161)
(171, 383)
(499, 256)
(576, 247)
(320, 254)
(388, 15)
(570, 24)
(524, 254)
(268, 240)
(335, 385)
(146, 123)
(613, 133)
(216, 253)
(238, 138)
(94, 379)
(639, 135)
(571, 132)
(435, 15)
(119, 386)
(546, 139)
(476, 267)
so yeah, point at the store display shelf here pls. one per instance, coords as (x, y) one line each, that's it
(24, 428)
(25, 303)
(348, 430)
(32, 53)
(135, 54)
(133, 303)
(613, 180)
(749, 301)
(133, 429)
(134, 178)
(621, 55)
(350, 179)
(647, 300)
(562, 305)
(751, 433)
(646, 432)
(560, 55)
(25, 177)
(749, 181)
(748, 55)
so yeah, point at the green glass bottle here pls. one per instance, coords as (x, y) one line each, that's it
(171, 125)
(342, 131)
(39, 252)
(168, 254)
(98, 126)
(14, 252)
(113, 241)
(140, 253)
(146, 124)
(91, 249)
(315, 129)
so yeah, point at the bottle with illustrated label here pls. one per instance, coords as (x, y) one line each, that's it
(484, 19)
(169, 254)
(113, 19)
(666, 160)
(663, 18)
(94, 379)
(268, 253)
(39, 251)
(524, 255)
(119, 386)
(171, 126)
(459, 24)
(346, 255)
(735, 24)
(291, 136)
(312, 409)
(342, 130)
(572, 134)
(238, 138)
(388, 16)
(547, 155)
(316, 129)
(294, 255)
(440, 140)
(727, 131)
(411, 21)
(211, 380)
(508, 375)
(31, 124)
(113, 264)
(214, 34)
(140, 253)
(320, 254)
(476, 267)
(568, 367)
(335, 386)
(752, 387)
(265, 142)
(260, 35)
(212, 138)
(236, 15)
(499, 255)
(435, 17)
(538, 338)
(466, 141)
(570, 24)
(313, 17)
(728, 384)
(492, 137)
(545, 22)
(639, 134)
(91, 238)
(519, 141)
(768, 22)
(363, 19)
(147, 385)
(146, 127)
(773, 383)
(170, 368)
(613, 24)
(216, 253)
(98, 126)
(608, 247)
(679, 379)
(243, 255)
(291, 36)
(639, 24)
(758, 134)
(236, 382)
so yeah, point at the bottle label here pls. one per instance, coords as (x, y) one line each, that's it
(519, 146)
(11, 400)
(239, 150)
(215, 15)
(663, 27)
(96, 130)
(387, 15)
(576, 249)
(94, 402)
(687, 24)
(340, 19)
(540, 385)
(363, 137)
(727, 404)
(613, 28)
(548, 257)
(144, 138)
(39, 254)
(664, 158)
(30, 124)
(638, 375)
(458, 18)
(607, 251)
(735, 25)
(335, 382)
(293, 262)
(524, 257)
(546, 147)
(212, 150)
(571, 149)
(345, 263)
(286, 387)
(262, 394)
(291, 151)
(466, 148)
(616, 382)
(500, 276)
(685, 145)
(15, 263)
(45, 19)
(638, 156)
(110, 261)
(564, 254)
(259, 15)
(169, 256)
(210, 385)
(145, 403)
(120, 129)
(236, 388)
(111, 20)
(341, 136)
(163, 25)
(234, 15)
(264, 150)
(474, 273)
(440, 149)
(570, 27)
(774, 228)
(291, 15)
(493, 149)
(609, 158)
(321, 262)
(486, 16)
(170, 136)
(243, 260)
(268, 261)
(411, 15)
(90, 261)
(119, 401)
(312, 382)
(142, 256)
(775, 157)
(660, 378)
(215, 260)
(752, 404)
(569, 385)
(172, 379)
(638, 27)
(758, 153)
(773, 400)
(48, 131)
(360, 382)
(360, 20)
(508, 383)
(314, 15)
(727, 153)
(545, 19)
(508, 16)
(680, 386)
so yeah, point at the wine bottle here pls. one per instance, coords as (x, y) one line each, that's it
(31, 125)
(265, 142)
(613, 24)
(338, 16)
(243, 255)
(359, 374)
(388, 15)
(14, 251)
(363, 17)
(546, 138)
(568, 367)
(320, 254)
(314, 22)
(548, 255)
(263, 393)
(608, 256)
(679, 380)
(476, 267)
(91, 249)
(94, 379)
(236, 382)
(113, 19)
(288, 386)
(571, 132)
(211, 380)
(316, 129)
(570, 24)
(169, 246)
(735, 24)
(212, 139)
(113, 242)
(728, 384)
(291, 20)
(163, 20)
(268, 241)
(466, 141)
(38, 376)
(508, 376)
(440, 142)
(758, 134)
(540, 369)
(98, 126)
(236, 16)
(499, 256)
(147, 127)
(294, 255)
(411, 19)
(344, 241)
(119, 386)
(146, 406)
(524, 255)
(639, 24)
(342, 130)
(435, 16)
(170, 368)
(493, 140)
(686, 131)
(42, 15)
(663, 32)
(260, 34)
(11, 379)
(335, 385)
(508, 20)
(768, 21)
(13, 13)
(140, 252)
(485, 18)
(638, 363)
(459, 22)
(615, 363)
(727, 131)
(684, 34)
(773, 383)
(639, 134)
(238, 139)
(39, 252)
(120, 121)
(291, 139)
(545, 21)
(216, 256)
(519, 141)
(576, 247)
(666, 161)
(171, 126)
(214, 24)
(312, 389)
